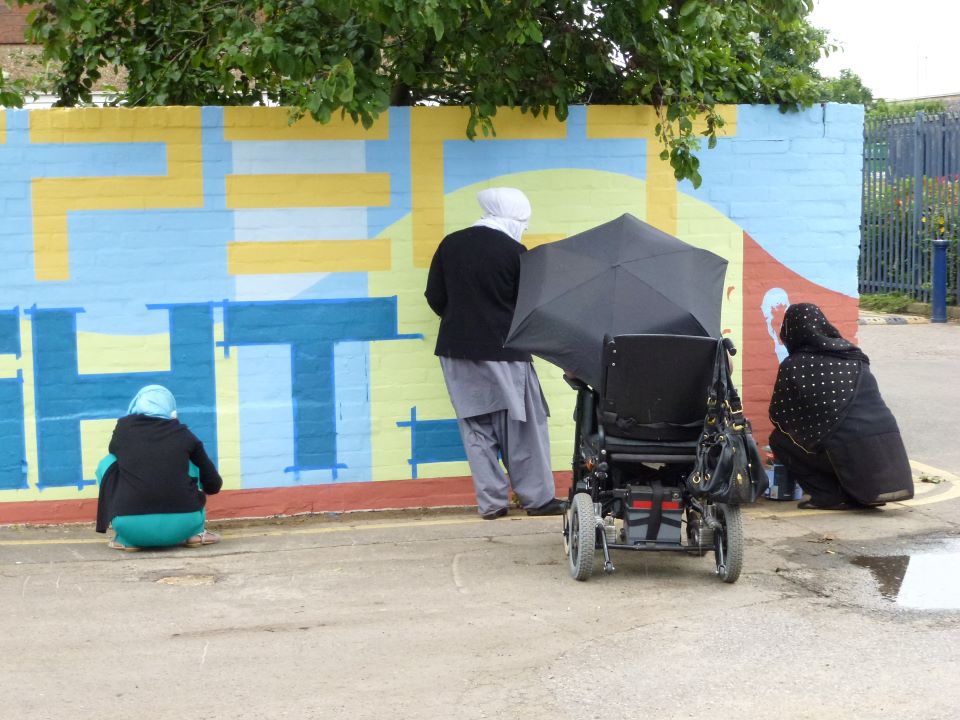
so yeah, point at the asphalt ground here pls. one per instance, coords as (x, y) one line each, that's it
(442, 615)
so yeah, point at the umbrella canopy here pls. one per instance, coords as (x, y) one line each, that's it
(622, 277)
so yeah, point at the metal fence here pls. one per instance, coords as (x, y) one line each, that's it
(911, 182)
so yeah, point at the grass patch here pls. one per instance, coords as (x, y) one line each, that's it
(886, 302)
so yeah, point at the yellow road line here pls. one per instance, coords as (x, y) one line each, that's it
(929, 470)
(254, 532)
(925, 493)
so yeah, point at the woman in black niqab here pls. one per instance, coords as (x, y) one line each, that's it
(833, 432)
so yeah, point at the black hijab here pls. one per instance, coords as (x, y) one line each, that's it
(817, 381)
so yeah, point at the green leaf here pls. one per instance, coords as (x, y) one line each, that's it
(342, 56)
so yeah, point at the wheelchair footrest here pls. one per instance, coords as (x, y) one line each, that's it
(653, 513)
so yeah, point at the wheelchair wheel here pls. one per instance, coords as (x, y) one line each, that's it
(728, 543)
(582, 537)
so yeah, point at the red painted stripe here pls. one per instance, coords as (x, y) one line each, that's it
(648, 505)
(267, 502)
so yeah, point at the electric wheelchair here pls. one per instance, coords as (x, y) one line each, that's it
(635, 444)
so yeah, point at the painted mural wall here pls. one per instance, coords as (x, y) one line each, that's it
(272, 277)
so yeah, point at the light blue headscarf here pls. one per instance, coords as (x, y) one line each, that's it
(154, 401)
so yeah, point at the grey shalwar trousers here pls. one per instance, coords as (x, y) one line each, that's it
(517, 431)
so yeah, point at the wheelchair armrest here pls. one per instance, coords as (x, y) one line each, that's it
(576, 383)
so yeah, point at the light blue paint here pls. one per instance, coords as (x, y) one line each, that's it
(776, 196)
(392, 156)
(466, 162)
(97, 159)
(110, 248)
(266, 415)
(63, 396)
(321, 397)
(351, 362)
(305, 286)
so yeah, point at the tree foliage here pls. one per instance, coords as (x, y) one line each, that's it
(684, 57)
(848, 88)
(903, 108)
(11, 91)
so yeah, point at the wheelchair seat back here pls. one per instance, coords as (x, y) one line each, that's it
(655, 386)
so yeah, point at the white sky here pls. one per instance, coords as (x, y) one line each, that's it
(899, 48)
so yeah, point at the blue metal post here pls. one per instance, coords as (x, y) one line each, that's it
(939, 314)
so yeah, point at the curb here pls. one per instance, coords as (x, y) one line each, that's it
(869, 318)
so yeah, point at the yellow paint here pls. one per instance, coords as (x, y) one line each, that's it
(228, 414)
(531, 240)
(322, 190)
(247, 123)
(94, 444)
(610, 122)
(430, 127)
(925, 494)
(9, 364)
(305, 256)
(406, 373)
(29, 417)
(703, 226)
(53, 198)
(564, 202)
(922, 469)
(3, 127)
(99, 353)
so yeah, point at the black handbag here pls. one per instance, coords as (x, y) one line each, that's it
(728, 468)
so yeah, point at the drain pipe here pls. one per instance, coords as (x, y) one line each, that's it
(939, 314)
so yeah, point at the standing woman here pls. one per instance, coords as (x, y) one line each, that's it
(148, 494)
(833, 432)
(472, 285)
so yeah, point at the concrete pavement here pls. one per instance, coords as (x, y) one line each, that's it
(442, 615)
(918, 370)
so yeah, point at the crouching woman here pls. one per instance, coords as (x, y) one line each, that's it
(833, 431)
(149, 495)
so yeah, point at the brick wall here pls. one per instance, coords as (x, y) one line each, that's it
(13, 22)
(272, 276)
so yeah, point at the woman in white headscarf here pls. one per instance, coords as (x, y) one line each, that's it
(154, 491)
(472, 286)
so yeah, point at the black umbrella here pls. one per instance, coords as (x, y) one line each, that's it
(622, 277)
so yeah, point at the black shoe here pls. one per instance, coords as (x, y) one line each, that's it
(810, 505)
(494, 514)
(554, 507)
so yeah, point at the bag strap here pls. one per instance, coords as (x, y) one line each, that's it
(723, 400)
(717, 393)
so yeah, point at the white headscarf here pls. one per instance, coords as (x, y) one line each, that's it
(505, 209)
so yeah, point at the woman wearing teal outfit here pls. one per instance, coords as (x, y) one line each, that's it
(148, 495)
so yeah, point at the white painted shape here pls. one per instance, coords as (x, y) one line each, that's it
(300, 224)
(299, 156)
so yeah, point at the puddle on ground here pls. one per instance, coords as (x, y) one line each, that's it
(927, 579)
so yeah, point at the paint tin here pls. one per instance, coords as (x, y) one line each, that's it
(782, 486)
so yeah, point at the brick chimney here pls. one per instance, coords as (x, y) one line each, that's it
(13, 22)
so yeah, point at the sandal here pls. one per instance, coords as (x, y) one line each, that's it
(204, 538)
(114, 545)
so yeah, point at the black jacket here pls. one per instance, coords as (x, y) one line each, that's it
(472, 286)
(151, 472)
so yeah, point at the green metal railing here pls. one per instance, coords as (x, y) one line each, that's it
(911, 188)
